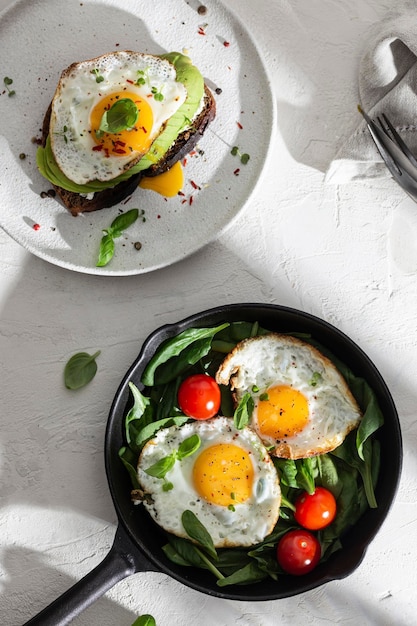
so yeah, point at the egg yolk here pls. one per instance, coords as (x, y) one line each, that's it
(223, 474)
(283, 413)
(136, 139)
(167, 184)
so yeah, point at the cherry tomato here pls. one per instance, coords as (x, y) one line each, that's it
(199, 397)
(298, 552)
(316, 510)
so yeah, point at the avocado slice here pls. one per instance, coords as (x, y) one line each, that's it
(193, 81)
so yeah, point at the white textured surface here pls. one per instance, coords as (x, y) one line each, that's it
(347, 254)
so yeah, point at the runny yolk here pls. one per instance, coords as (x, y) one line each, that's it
(283, 413)
(167, 184)
(223, 474)
(124, 142)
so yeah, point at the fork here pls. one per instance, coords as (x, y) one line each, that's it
(395, 153)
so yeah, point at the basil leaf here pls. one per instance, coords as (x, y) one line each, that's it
(188, 446)
(122, 222)
(144, 620)
(80, 370)
(122, 115)
(106, 251)
(195, 529)
(173, 347)
(243, 411)
(161, 467)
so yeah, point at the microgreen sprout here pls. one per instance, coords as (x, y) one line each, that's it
(157, 94)
(99, 77)
(244, 157)
(63, 133)
(9, 81)
(141, 80)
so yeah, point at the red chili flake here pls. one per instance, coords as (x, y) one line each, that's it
(201, 30)
(159, 217)
(130, 81)
(194, 185)
(236, 172)
(184, 162)
(184, 201)
(98, 148)
(193, 152)
(36, 226)
(239, 125)
(181, 193)
(106, 152)
(119, 151)
(191, 200)
(120, 143)
(226, 44)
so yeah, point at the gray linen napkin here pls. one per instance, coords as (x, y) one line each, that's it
(387, 84)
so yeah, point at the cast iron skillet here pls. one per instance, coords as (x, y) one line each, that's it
(138, 541)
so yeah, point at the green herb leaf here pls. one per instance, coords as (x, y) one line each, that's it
(129, 460)
(174, 347)
(188, 446)
(80, 370)
(244, 158)
(7, 82)
(106, 251)
(122, 222)
(99, 78)
(144, 620)
(195, 529)
(107, 247)
(243, 412)
(161, 468)
(122, 115)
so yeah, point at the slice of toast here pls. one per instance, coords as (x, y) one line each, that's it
(184, 144)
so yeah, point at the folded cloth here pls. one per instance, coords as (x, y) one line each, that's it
(387, 84)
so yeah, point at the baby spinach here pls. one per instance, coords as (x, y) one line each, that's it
(122, 115)
(80, 370)
(144, 620)
(197, 531)
(174, 347)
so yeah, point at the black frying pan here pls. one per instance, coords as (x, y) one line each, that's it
(138, 541)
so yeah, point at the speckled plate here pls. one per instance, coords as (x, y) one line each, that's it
(40, 38)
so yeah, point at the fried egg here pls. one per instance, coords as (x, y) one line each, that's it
(88, 90)
(229, 483)
(302, 404)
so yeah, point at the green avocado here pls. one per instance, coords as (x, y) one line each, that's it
(193, 81)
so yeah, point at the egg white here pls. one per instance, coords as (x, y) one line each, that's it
(249, 523)
(78, 92)
(260, 363)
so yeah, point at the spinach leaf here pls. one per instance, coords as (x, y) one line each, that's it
(195, 530)
(80, 370)
(144, 620)
(250, 573)
(177, 365)
(174, 347)
(130, 460)
(243, 411)
(149, 430)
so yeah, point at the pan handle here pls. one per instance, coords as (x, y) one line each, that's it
(123, 560)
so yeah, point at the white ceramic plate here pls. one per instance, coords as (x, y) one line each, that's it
(39, 38)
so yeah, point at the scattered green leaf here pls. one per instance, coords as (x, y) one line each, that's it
(243, 411)
(144, 620)
(80, 370)
(7, 82)
(99, 77)
(120, 224)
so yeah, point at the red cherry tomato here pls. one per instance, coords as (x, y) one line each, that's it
(199, 397)
(298, 552)
(317, 510)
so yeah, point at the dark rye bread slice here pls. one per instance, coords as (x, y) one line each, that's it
(184, 144)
